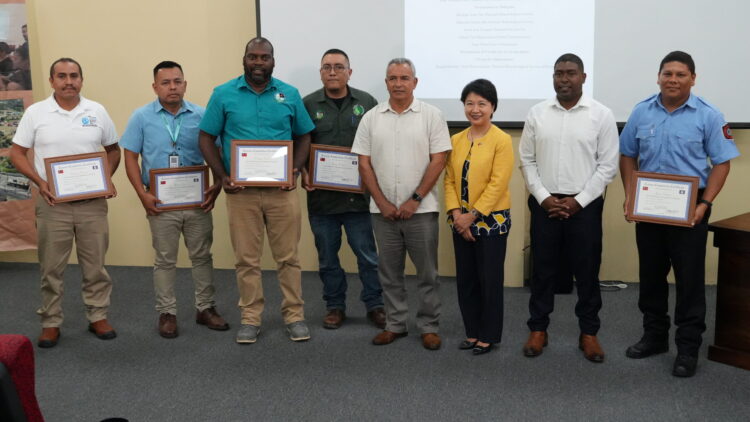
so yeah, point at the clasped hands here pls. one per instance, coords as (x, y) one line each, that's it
(560, 208)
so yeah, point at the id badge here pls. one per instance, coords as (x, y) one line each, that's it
(174, 161)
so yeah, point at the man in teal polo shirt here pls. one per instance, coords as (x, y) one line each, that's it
(257, 106)
(165, 134)
(337, 109)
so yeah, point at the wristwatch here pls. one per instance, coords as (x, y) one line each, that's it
(475, 213)
(703, 201)
(417, 197)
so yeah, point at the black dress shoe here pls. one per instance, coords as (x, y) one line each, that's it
(466, 345)
(646, 348)
(480, 350)
(684, 366)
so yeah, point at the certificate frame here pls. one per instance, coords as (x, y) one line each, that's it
(638, 191)
(52, 166)
(238, 144)
(155, 176)
(314, 165)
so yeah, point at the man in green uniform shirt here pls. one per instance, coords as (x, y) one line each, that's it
(336, 110)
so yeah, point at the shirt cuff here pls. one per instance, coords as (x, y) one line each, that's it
(584, 198)
(541, 194)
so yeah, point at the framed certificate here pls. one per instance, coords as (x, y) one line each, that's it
(179, 188)
(261, 163)
(80, 176)
(334, 168)
(662, 198)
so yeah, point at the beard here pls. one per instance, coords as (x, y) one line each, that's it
(258, 79)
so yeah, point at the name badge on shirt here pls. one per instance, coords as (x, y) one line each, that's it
(174, 161)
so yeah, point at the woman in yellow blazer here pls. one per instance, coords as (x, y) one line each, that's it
(478, 205)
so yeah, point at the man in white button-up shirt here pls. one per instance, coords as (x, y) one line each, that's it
(569, 153)
(402, 146)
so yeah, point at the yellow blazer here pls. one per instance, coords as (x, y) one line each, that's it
(489, 172)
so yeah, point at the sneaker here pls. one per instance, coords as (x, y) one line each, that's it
(298, 331)
(247, 334)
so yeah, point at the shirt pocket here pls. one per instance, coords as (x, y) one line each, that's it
(278, 121)
(646, 137)
(323, 128)
(688, 144)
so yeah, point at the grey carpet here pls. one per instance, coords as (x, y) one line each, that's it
(338, 375)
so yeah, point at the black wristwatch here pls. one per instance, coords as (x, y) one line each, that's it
(709, 204)
(417, 197)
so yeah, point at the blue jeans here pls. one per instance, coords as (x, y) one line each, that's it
(327, 232)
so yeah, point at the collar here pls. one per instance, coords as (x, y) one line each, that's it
(185, 108)
(691, 102)
(241, 83)
(584, 101)
(53, 106)
(415, 106)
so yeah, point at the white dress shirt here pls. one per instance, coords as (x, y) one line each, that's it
(399, 146)
(571, 152)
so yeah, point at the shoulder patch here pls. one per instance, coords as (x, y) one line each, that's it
(727, 131)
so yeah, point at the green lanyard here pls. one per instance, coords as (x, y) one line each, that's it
(176, 133)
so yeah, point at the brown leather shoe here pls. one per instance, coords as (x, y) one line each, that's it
(167, 325)
(211, 319)
(591, 348)
(431, 341)
(387, 337)
(49, 337)
(377, 317)
(102, 329)
(334, 318)
(535, 344)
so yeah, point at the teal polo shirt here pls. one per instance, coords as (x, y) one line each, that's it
(236, 111)
(147, 134)
(337, 126)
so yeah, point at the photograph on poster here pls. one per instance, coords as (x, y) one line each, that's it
(13, 185)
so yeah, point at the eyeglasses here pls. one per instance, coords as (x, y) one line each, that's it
(338, 68)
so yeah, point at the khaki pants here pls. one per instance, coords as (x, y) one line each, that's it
(58, 226)
(197, 228)
(279, 211)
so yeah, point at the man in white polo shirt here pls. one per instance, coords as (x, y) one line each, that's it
(402, 146)
(66, 124)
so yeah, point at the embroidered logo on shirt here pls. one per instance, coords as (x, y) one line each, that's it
(280, 98)
(727, 131)
(318, 115)
(88, 121)
(358, 110)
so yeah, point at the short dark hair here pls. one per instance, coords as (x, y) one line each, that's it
(4, 47)
(260, 40)
(570, 57)
(60, 60)
(335, 51)
(166, 64)
(484, 89)
(678, 56)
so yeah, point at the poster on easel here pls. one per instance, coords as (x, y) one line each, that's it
(17, 229)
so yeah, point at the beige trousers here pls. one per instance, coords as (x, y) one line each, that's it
(58, 226)
(250, 211)
(197, 228)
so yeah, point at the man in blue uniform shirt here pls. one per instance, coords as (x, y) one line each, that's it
(675, 132)
(165, 134)
(257, 106)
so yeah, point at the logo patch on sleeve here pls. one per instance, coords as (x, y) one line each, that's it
(727, 131)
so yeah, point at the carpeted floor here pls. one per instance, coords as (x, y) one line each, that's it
(338, 375)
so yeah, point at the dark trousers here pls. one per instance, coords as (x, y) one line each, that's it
(576, 241)
(684, 249)
(479, 279)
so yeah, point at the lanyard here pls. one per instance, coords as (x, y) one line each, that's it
(176, 133)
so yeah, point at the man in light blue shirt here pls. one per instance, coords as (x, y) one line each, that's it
(165, 134)
(675, 132)
(257, 106)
